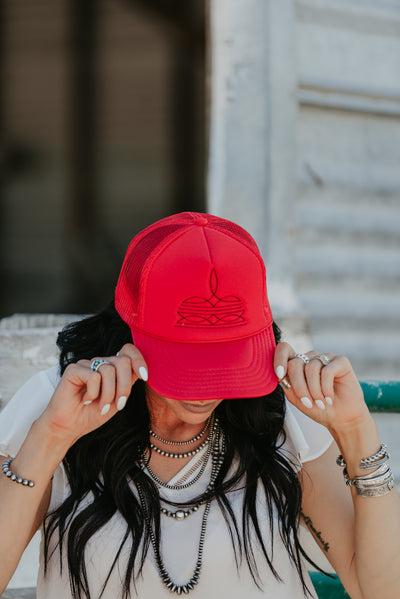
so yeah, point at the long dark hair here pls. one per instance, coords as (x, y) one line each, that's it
(104, 462)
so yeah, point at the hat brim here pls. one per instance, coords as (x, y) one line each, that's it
(199, 371)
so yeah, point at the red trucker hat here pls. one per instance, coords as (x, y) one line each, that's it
(192, 289)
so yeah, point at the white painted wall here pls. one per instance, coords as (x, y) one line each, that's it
(347, 221)
(305, 154)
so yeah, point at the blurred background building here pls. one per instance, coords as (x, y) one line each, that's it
(283, 115)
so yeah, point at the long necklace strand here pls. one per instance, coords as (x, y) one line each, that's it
(165, 577)
(217, 459)
(191, 470)
(182, 514)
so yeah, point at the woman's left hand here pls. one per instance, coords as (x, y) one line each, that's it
(328, 393)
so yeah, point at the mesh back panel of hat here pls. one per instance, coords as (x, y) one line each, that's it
(237, 232)
(139, 257)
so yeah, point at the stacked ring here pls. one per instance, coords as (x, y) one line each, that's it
(323, 358)
(285, 383)
(95, 365)
(303, 357)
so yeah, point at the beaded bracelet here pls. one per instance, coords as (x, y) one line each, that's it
(14, 477)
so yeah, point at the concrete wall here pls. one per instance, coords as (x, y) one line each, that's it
(305, 153)
(347, 209)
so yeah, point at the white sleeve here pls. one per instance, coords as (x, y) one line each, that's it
(17, 417)
(24, 408)
(306, 440)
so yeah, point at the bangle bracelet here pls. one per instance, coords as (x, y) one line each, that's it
(376, 490)
(378, 482)
(375, 484)
(380, 457)
(382, 470)
(14, 477)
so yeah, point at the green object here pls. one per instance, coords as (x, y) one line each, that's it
(382, 396)
(328, 588)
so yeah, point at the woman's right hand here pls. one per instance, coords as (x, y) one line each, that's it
(85, 399)
(82, 401)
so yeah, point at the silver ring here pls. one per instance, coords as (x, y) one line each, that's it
(323, 358)
(303, 357)
(285, 383)
(95, 365)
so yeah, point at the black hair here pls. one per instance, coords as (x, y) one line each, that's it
(104, 462)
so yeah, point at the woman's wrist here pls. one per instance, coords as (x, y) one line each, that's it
(39, 456)
(58, 439)
(357, 442)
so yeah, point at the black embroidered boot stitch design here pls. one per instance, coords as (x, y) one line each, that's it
(213, 311)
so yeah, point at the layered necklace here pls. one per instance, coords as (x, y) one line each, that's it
(186, 454)
(214, 425)
(196, 438)
(215, 450)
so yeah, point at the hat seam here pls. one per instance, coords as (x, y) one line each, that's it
(197, 342)
(208, 246)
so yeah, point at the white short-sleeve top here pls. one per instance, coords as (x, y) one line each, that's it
(219, 578)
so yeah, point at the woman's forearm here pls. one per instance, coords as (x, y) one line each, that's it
(23, 508)
(377, 519)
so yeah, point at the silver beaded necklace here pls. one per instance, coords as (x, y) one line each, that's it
(181, 514)
(217, 454)
(196, 438)
(169, 454)
(144, 462)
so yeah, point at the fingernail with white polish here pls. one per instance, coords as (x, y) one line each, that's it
(87, 403)
(280, 372)
(329, 401)
(121, 403)
(320, 404)
(144, 375)
(105, 409)
(306, 401)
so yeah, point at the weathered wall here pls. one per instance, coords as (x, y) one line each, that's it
(305, 153)
(347, 209)
(27, 345)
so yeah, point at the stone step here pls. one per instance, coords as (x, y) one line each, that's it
(18, 322)
(27, 593)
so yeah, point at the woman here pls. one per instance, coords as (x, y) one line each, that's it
(163, 457)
